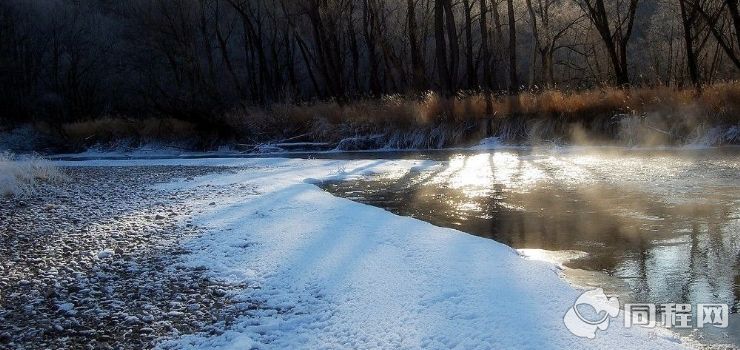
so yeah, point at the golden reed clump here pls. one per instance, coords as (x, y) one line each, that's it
(715, 101)
(331, 120)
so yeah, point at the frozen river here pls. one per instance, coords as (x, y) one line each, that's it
(650, 226)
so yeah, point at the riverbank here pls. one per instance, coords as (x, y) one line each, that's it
(644, 117)
(92, 262)
(320, 270)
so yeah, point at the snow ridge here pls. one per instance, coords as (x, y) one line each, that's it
(330, 273)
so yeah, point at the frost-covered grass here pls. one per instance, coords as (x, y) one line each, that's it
(20, 174)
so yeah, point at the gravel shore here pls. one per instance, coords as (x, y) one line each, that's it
(93, 262)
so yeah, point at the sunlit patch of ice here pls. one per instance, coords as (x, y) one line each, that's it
(557, 258)
(639, 215)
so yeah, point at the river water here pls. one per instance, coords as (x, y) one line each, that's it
(648, 226)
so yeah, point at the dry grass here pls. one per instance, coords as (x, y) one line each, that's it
(439, 121)
(716, 101)
(113, 129)
(19, 176)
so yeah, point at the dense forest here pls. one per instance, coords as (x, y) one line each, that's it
(64, 61)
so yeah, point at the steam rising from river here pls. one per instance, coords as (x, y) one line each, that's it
(664, 225)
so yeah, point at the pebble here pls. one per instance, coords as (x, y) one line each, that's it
(132, 320)
(89, 263)
(105, 253)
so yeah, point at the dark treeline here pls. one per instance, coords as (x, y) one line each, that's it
(67, 60)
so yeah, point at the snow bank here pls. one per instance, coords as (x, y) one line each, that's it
(326, 272)
(19, 175)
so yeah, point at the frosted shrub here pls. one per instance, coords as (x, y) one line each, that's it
(19, 175)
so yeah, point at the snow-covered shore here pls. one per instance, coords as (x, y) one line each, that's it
(328, 272)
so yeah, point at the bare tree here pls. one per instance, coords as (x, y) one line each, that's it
(417, 60)
(615, 28)
(712, 13)
(370, 31)
(484, 48)
(689, 15)
(444, 25)
(470, 69)
(194, 59)
(513, 77)
(550, 20)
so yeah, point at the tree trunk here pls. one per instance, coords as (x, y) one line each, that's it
(535, 42)
(354, 50)
(223, 47)
(687, 21)
(368, 20)
(470, 68)
(484, 46)
(548, 68)
(440, 47)
(453, 44)
(417, 63)
(498, 45)
(615, 43)
(513, 79)
(623, 78)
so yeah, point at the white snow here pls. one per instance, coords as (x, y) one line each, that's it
(327, 272)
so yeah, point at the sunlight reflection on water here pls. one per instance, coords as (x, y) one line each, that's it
(656, 226)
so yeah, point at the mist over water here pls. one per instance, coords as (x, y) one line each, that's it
(651, 226)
